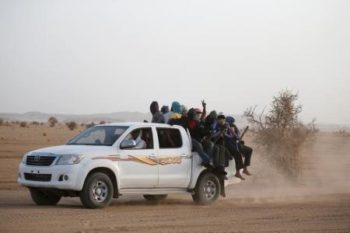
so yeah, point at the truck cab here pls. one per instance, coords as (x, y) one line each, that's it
(110, 160)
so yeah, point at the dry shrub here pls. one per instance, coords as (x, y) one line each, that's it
(52, 121)
(35, 123)
(23, 124)
(72, 125)
(281, 134)
(102, 122)
(1, 121)
(342, 133)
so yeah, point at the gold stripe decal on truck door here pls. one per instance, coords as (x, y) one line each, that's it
(170, 160)
(144, 159)
(162, 160)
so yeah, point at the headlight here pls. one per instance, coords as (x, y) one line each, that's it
(69, 159)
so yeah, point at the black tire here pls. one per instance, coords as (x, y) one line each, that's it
(97, 191)
(44, 197)
(207, 189)
(155, 198)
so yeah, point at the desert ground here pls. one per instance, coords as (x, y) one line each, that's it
(265, 202)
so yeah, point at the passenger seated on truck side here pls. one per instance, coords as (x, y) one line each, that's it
(224, 136)
(175, 114)
(166, 113)
(246, 151)
(202, 114)
(136, 135)
(157, 116)
(193, 125)
(218, 153)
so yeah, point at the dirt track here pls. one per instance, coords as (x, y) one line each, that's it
(329, 213)
(265, 202)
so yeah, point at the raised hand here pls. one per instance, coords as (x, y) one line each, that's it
(204, 104)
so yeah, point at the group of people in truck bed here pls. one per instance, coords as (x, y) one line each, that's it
(215, 137)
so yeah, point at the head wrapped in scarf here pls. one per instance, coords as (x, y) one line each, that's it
(192, 114)
(154, 107)
(211, 118)
(176, 107)
(230, 120)
(164, 109)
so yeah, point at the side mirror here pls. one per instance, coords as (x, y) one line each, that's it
(127, 144)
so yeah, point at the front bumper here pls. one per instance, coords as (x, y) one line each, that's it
(74, 182)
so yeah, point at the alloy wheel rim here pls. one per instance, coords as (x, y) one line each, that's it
(99, 191)
(209, 189)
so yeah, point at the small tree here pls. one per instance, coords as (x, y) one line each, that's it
(72, 125)
(52, 121)
(281, 133)
(1, 121)
(342, 133)
(23, 124)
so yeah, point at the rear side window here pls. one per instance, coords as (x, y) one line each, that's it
(169, 138)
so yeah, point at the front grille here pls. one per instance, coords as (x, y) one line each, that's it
(37, 160)
(37, 177)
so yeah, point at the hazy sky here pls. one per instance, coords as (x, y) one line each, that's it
(107, 56)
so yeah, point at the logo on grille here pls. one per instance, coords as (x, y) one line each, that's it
(37, 158)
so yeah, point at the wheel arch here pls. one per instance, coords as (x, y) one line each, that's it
(110, 173)
(220, 178)
(198, 195)
(197, 177)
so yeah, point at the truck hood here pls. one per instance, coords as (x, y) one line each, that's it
(77, 149)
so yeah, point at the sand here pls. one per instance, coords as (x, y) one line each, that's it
(265, 202)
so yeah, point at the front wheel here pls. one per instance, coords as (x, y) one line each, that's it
(155, 198)
(207, 189)
(97, 191)
(44, 197)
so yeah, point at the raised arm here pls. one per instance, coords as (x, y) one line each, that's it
(204, 111)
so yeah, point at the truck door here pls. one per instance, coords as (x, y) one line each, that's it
(138, 166)
(174, 156)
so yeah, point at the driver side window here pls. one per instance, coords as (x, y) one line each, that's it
(142, 137)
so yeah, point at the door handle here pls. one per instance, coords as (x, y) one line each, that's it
(152, 156)
(185, 155)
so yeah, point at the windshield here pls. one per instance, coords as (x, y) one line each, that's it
(99, 136)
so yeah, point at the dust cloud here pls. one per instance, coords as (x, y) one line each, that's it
(325, 170)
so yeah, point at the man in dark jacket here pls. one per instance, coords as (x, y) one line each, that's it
(245, 150)
(192, 123)
(225, 136)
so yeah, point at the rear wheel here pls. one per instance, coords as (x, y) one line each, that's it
(97, 191)
(155, 198)
(44, 197)
(207, 189)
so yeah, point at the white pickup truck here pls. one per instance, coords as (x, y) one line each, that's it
(110, 160)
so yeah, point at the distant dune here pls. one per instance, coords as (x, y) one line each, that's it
(81, 118)
(122, 117)
(87, 118)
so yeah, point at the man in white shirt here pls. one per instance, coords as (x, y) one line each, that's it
(140, 143)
